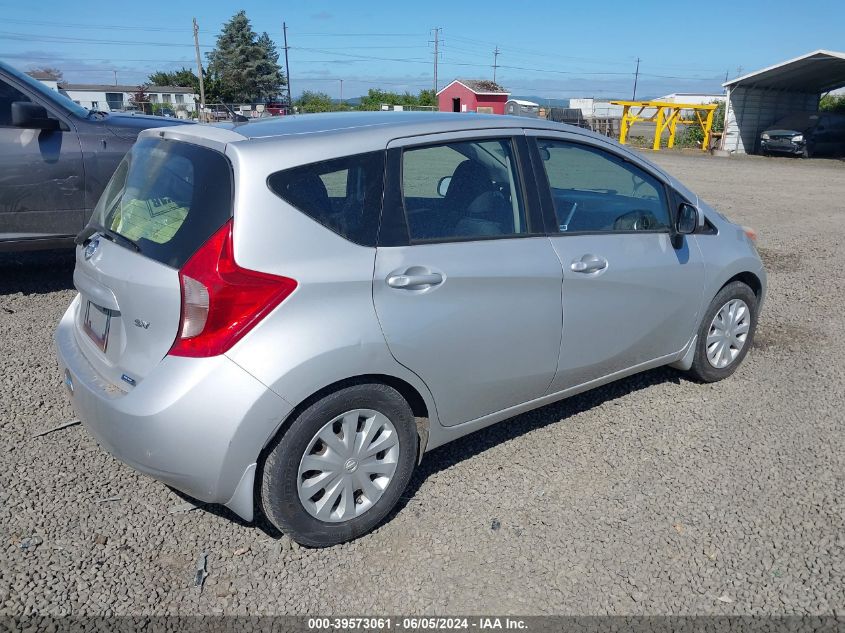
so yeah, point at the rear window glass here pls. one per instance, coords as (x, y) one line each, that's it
(167, 197)
(343, 194)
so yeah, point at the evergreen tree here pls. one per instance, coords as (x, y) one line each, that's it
(270, 76)
(242, 69)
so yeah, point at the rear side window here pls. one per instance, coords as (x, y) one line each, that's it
(343, 194)
(167, 197)
(462, 191)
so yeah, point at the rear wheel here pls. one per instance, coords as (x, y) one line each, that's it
(341, 466)
(726, 333)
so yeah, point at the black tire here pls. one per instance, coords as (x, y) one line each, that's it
(279, 480)
(701, 368)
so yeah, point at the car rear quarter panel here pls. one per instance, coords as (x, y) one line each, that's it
(327, 330)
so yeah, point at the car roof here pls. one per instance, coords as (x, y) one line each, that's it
(381, 125)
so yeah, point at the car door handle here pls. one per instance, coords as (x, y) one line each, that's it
(588, 264)
(410, 282)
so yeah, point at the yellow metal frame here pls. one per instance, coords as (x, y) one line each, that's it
(666, 116)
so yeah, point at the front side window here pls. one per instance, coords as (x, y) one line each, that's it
(343, 194)
(597, 191)
(462, 190)
(8, 95)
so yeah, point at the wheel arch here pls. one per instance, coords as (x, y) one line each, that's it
(421, 408)
(749, 279)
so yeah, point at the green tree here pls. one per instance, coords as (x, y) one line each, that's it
(375, 97)
(428, 98)
(314, 102)
(832, 103)
(242, 68)
(183, 78)
(270, 76)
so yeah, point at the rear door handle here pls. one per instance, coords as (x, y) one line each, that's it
(411, 282)
(588, 264)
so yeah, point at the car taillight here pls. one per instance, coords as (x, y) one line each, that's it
(221, 301)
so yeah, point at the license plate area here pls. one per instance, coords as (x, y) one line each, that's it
(96, 323)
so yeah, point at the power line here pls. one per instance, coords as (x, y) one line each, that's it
(358, 34)
(110, 27)
(61, 39)
(344, 48)
(362, 57)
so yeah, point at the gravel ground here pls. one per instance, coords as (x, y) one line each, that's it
(654, 495)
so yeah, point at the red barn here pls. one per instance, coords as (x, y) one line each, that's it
(473, 95)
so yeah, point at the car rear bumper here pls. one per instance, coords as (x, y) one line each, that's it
(196, 424)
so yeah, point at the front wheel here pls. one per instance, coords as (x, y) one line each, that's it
(726, 333)
(341, 466)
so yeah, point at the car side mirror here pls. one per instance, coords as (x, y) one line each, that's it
(688, 219)
(32, 116)
(443, 186)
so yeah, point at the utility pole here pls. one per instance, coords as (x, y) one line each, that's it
(436, 54)
(495, 62)
(287, 66)
(201, 116)
(115, 77)
(341, 90)
(636, 77)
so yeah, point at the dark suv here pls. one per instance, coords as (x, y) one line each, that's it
(806, 134)
(55, 159)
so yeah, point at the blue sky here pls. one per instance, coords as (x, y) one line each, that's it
(552, 49)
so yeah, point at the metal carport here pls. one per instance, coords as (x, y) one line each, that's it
(757, 100)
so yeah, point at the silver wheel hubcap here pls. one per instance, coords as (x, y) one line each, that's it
(348, 465)
(728, 332)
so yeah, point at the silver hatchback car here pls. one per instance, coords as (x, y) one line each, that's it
(294, 310)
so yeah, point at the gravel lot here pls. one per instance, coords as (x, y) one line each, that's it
(654, 495)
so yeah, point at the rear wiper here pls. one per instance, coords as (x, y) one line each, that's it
(117, 238)
(110, 235)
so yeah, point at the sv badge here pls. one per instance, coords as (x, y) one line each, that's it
(143, 324)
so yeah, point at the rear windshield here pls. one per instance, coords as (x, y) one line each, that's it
(168, 198)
